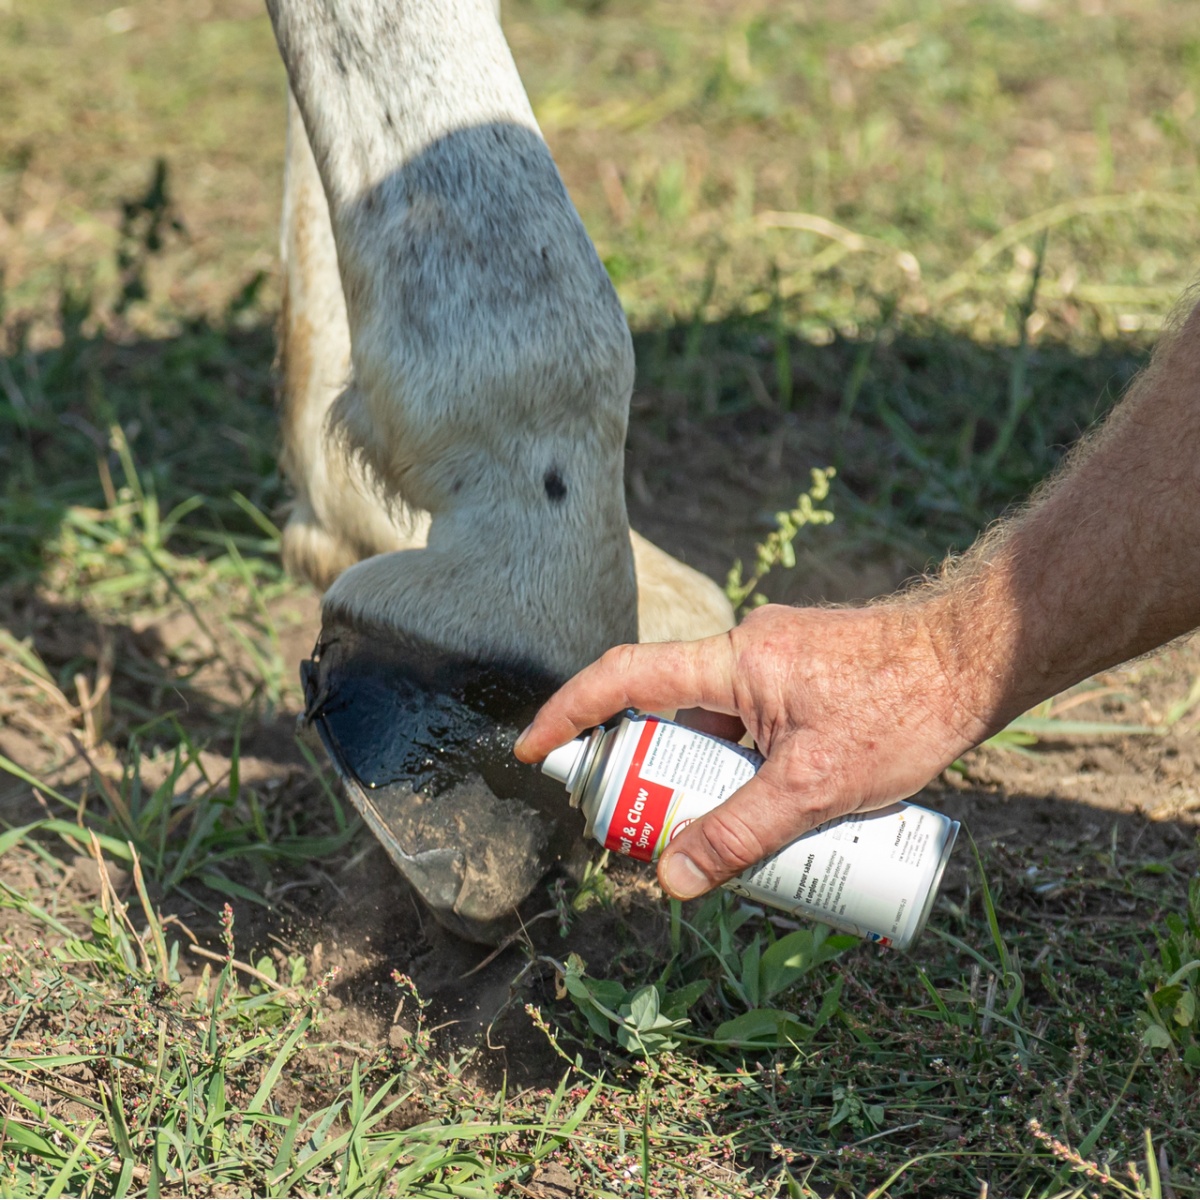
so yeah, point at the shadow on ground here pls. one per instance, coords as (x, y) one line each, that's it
(932, 434)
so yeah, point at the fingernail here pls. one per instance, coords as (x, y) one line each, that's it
(683, 878)
(522, 736)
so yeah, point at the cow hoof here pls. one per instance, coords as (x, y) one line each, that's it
(423, 741)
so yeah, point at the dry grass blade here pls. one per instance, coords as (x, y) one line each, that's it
(855, 242)
(111, 792)
(114, 906)
(1020, 231)
(246, 969)
(23, 661)
(153, 921)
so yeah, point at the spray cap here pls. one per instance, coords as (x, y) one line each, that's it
(566, 763)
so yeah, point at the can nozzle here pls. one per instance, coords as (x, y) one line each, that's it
(566, 763)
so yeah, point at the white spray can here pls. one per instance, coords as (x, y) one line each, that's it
(641, 779)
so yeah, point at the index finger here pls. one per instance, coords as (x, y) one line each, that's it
(650, 675)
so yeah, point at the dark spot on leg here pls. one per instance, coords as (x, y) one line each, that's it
(556, 489)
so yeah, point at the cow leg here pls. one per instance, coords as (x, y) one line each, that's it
(337, 516)
(490, 369)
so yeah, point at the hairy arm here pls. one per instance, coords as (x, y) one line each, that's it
(856, 708)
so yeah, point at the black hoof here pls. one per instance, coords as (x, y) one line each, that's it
(423, 740)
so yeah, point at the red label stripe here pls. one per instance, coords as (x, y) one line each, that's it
(641, 809)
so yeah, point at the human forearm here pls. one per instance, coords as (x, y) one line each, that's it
(1103, 565)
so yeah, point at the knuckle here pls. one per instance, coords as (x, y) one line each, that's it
(799, 776)
(618, 661)
(728, 844)
(627, 656)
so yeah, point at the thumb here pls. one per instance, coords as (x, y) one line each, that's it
(759, 818)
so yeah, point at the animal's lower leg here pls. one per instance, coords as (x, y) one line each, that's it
(491, 362)
(490, 374)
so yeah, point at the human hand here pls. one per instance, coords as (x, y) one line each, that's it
(852, 708)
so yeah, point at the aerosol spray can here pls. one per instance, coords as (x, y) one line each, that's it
(640, 779)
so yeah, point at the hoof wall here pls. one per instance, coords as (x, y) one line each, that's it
(423, 741)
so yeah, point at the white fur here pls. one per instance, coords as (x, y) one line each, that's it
(473, 358)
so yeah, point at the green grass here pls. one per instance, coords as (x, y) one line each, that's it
(918, 1075)
(929, 244)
